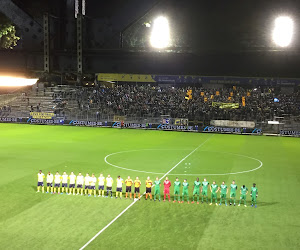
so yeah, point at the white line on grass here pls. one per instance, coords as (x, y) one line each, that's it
(135, 150)
(131, 204)
(134, 170)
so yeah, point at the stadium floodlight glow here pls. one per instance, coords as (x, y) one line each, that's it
(160, 36)
(283, 31)
(8, 81)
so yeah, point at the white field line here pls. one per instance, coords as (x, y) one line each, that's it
(134, 170)
(131, 204)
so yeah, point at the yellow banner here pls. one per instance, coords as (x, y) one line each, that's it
(177, 121)
(118, 118)
(108, 77)
(224, 105)
(41, 115)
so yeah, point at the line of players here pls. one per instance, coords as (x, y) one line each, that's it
(88, 185)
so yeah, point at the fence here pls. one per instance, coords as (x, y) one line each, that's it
(288, 126)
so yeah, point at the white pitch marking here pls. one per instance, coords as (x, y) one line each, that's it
(136, 150)
(131, 204)
(134, 170)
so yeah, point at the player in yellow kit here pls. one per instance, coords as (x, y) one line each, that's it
(93, 181)
(79, 182)
(57, 181)
(64, 182)
(137, 185)
(128, 183)
(72, 178)
(148, 188)
(49, 181)
(109, 181)
(101, 181)
(86, 184)
(40, 183)
(119, 187)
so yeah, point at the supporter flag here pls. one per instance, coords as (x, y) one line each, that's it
(189, 94)
(177, 121)
(212, 97)
(229, 98)
(217, 92)
(248, 93)
(224, 105)
(231, 94)
(243, 101)
(202, 93)
(234, 88)
(205, 99)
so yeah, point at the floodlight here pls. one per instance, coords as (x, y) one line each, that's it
(283, 31)
(8, 81)
(147, 25)
(160, 36)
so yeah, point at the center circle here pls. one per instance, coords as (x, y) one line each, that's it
(209, 162)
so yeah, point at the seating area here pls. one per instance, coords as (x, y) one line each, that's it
(153, 102)
(142, 100)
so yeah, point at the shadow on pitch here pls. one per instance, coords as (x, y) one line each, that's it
(265, 204)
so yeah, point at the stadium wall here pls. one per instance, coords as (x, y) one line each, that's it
(258, 129)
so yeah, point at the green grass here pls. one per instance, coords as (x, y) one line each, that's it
(30, 220)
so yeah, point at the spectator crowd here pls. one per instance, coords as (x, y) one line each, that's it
(143, 100)
(5, 110)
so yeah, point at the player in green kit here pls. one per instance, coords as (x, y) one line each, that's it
(205, 185)
(224, 192)
(196, 191)
(214, 190)
(233, 188)
(185, 191)
(254, 194)
(157, 189)
(177, 185)
(243, 192)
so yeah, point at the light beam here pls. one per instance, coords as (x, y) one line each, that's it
(8, 81)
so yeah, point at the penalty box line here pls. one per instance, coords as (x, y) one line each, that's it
(131, 204)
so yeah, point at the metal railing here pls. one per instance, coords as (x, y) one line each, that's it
(6, 99)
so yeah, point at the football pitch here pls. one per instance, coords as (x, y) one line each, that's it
(30, 220)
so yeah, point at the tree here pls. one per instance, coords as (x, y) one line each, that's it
(8, 38)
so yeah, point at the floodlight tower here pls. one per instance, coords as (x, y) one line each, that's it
(46, 43)
(80, 6)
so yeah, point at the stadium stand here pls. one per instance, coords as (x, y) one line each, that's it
(144, 101)
(154, 101)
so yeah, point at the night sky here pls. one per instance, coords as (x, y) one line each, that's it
(201, 25)
(222, 36)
